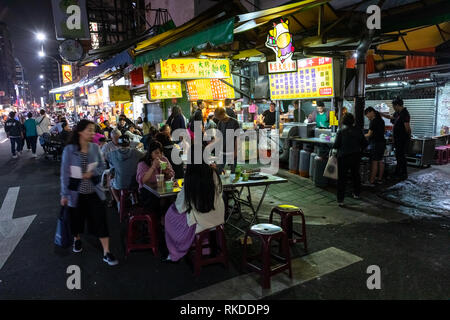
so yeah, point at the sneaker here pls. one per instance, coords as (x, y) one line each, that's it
(110, 259)
(34, 155)
(77, 246)
(355, 196)
(19, 153)
(379, 181)
(340, 204)
(14, 156)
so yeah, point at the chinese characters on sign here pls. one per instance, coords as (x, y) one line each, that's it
(165, 90)
(209, 89)
(194, 68)
(314, 79)
(275, 67)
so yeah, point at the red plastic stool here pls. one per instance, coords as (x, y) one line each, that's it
(124, 210)
(287, 212)
(205, 241)
(138, 214)
(267, 233)
(441, 155)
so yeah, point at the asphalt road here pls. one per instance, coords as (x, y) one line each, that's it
(413, 254)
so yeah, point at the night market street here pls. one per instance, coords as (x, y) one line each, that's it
(224, 159)
(411, 250)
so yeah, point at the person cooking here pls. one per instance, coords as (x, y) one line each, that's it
(269, 116)
(320, 116)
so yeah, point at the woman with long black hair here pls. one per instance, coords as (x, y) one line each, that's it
(81, 169)
(199, 206)
(176, 120)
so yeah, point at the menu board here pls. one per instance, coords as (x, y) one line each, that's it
(165, 90)
(313, 79)
(209, 89)
(194, 68)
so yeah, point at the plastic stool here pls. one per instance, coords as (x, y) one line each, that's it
(124, 210)
(441, 155)
(204, 240)
(287, 212)
(267, 233)
(138, 214)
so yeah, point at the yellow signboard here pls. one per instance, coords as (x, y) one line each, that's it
(119, 93)
(67, 73)
(210, 89)
(165, 90)
(313, 79)
(195, 69)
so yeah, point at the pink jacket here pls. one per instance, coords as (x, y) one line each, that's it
(97, 137)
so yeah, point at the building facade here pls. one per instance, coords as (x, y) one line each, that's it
(7, 67)
(50, 71)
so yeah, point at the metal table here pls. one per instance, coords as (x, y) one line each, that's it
(234, 188)
(312, 140)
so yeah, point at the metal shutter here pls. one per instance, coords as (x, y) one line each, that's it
(422, 111)
(423, 116)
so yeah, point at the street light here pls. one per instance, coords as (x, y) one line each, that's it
(42, 87)
(40, 36)
(42, 77)
(41, 54)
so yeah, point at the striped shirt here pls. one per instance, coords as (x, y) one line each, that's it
(86, 186)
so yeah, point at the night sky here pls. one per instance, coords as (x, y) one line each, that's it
(24, 18)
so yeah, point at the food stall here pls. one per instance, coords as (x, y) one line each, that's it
(203, 80)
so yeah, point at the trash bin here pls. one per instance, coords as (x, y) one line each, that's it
(319, 179)
(304, 163)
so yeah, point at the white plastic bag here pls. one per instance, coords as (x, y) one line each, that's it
(331, 170)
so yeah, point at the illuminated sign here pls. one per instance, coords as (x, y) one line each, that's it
(280, 41)
(119, 93)
(165, 90)
(210, 89)
(314, 79)
(275, 66)
(67, 73)
(194, 69)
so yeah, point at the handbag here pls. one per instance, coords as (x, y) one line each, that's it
(331, 169)
(63, 235)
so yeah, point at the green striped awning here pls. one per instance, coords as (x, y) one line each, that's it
(219, 34)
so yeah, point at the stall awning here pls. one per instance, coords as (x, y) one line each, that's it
(219, 34)
(119, 60)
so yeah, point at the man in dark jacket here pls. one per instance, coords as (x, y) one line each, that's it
(402, 136)
(13, 129)
(350, 142)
